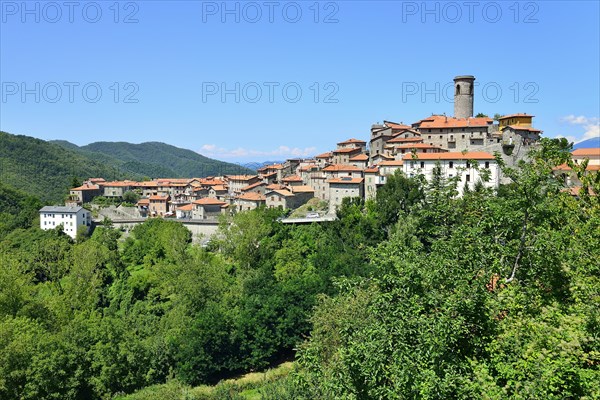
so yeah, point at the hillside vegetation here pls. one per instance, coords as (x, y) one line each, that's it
(47, 170)
(418, 294)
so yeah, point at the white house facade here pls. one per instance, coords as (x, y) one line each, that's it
(71, 218)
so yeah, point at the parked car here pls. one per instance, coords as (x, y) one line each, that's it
(312, 215)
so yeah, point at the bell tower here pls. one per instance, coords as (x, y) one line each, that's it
(463, 96)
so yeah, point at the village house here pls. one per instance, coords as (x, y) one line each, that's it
(143, 206)
(207, 208)
(372, 181)
(115, 189)
(455, 164)
(324, 159)
(455, 133)
(389, 167)
(359, 161)
(344, 154)
(159, 205)
(292, 180)
(70, 218)
(340, 188)
(258, 187)
(84, 193)
(249, 201)
(279, 198)
(184, 212)
(237, 182)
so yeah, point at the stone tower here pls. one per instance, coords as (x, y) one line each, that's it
(463, 96)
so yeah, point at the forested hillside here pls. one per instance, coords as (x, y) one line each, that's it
(415, 295)
(156, 159)
(47, 170)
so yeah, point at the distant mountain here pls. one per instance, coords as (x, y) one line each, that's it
(590, 143)
(47, 170)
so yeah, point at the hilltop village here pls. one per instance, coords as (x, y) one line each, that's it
(463, 145)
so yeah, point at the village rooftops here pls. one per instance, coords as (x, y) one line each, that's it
(252, 196)
(341, 167)
(143, 202)
(352, 141)
(442, 122)
(87, 187)
(61, 209)
(242, 178)
(395, 125)
(274, 186)
(347, 150)
(250, 187)
(329, 154)
(523, 128)
(208, 201)
(515, 116)
(302, 189)
(360, 157)
(292, 178)
(346, 180)
(372, 170)
(187, 207)
(158, 198)
(588, 152)
(469, 155)
(282, 192)
(565, 167)
(391, 163)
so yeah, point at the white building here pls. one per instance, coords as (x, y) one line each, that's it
(71, 218)
(468, 166)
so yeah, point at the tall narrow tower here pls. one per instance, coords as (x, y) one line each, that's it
(463, 96)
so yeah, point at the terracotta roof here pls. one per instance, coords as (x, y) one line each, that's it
(96, 180)
(269, 175)
(158, 198)
(565, 167)
(391, 163)
(329, 154)
(87, 187)
(381, 155)
(292, 178)
(589, 152)
(372, 170)
(250, 187)
(219, 188)
(394, 125)
(208, 201)
(274, 186)
(281, 192)
(523, 128)
(241, 177)
(360, 157)
(187, 207)
(308, 167)
(345, 180)
(302, 189)
(353, 141)
(576, 190)
(340, 167)
(117, 183)
(469, 155)
(143, 202)
(347, 150)
(403, 131)
(251, 196)
(515, 115)
(441, 122)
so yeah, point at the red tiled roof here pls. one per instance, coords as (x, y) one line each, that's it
(241, 177)
(274, 186)
(347, 150)
(345, 180)
(329, 154)
(360, 157)
(419, 146)
(252, 196)
(282, 192)
(187, 207)
(87, 187)
(516, 115)
(523, 128)
(588, 152)
(301, 189)
(381, 155)
(292, 178)
(250, 187)
(353, 141)
(469, 155)
(208, 201)
(372, 170)
(394, 125)
(158, 198)
(340, 167)
(391, 163)
(143, 202)
(441, 122)
(219, 188)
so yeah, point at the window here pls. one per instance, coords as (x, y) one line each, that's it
(468, 165)
(487, 164)
(468, 178)
(429, 130)
(422, 164)
(457, 89)
(441, 136)
(463, 136)
(451, 164)
(429, 137)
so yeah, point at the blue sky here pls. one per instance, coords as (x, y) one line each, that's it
(245, 81)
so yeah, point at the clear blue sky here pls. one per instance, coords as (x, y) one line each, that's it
(373, 58)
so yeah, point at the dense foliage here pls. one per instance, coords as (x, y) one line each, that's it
(418, 294)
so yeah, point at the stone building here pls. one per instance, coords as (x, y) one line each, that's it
(463, 96)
